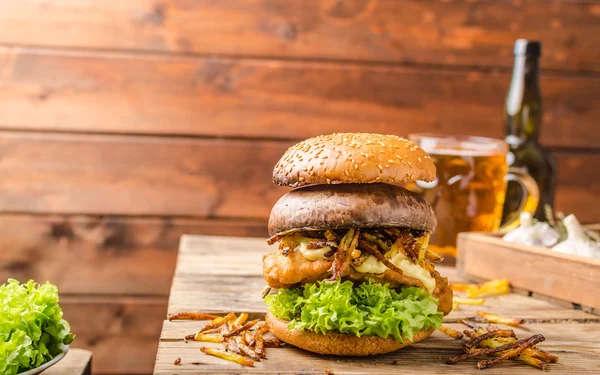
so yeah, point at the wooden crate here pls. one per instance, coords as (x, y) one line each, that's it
(531, 268)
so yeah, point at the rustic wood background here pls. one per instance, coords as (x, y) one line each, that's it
(125, 124)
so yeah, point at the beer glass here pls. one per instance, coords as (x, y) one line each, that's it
(468, 192)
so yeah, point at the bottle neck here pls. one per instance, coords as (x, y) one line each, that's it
(523, 103)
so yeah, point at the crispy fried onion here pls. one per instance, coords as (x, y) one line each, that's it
(342, 259)
(371, 249)
(354, 246)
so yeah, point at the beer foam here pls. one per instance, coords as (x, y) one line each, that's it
(463, 152)
(470, 146)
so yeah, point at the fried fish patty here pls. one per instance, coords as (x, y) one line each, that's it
(282, 271)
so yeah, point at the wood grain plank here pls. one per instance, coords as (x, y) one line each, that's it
(137, 175)
(155, 94)
(427, 360)
(132, 175)
(575, 344)
(105, 255)
(120, 332)
(431, 32)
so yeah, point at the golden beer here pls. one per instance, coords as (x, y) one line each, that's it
(468, 193)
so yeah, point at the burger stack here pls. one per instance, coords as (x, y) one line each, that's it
(350, 273)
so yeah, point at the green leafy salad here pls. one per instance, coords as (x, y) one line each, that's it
(367, 309)
(32, 330)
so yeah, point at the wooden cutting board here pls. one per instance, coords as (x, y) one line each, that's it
(224, 274)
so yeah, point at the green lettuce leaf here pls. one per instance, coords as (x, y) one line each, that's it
(367, 309)
(32, 330)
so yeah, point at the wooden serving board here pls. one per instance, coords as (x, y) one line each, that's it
(535, 269)
(224, 274)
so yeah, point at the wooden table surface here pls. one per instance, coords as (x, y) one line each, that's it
(224, 274)
(76, 362)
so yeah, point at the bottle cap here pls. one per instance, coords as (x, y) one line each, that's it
(524, 47)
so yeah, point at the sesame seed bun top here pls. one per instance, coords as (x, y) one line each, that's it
(353, 158)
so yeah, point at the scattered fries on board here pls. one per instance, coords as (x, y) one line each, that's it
(493, 318)
(502, 344)
(450, 332)
(471, 291)
(244, 341)
(492, 287)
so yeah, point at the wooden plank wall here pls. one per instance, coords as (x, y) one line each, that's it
(125, 124)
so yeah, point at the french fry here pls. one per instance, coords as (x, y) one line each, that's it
(192, 316)
(532, 361)
(248, 338)
(520, 346)
(208, 338)
(245, 349)
(228, 356)
(493, 318)
(454, 305)
(488, 335)
(241, 329)
(457, 287)
(218, 322)
(468, 301)
(241, 319)
(469, 334)
(450, 332)
(491, 328)
(541, 354)
(259, 341)
(533, 356)
(506, 351)
(233, 347)
(272, 343)
(472, 325)
(492, 287)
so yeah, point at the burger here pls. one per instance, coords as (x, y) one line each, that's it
(352, 274)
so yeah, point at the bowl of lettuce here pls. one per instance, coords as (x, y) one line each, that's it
(33, 334)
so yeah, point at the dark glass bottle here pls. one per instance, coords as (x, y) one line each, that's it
(522, 118)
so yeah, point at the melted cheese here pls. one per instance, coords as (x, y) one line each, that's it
(372, 265)
(313, 254)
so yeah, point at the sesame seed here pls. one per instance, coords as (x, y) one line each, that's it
(355, 166)
(346, 173)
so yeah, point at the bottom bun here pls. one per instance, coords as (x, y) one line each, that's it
(335, 343)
